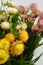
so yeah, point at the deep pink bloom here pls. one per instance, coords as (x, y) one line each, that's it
(35, 29)
(38, 12)
(33, 6)
(23, 15)
(41, 15)
(21, 8)
(40, 23)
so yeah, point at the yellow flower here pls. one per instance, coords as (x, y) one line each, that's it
(4, 56)
(23, 35)
(17, 48)
(12, 10)
(10, 37)
(4, 44)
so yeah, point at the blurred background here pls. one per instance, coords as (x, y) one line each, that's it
(40, 6)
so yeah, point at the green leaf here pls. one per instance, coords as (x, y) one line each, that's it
(1, 11)
(38, 45)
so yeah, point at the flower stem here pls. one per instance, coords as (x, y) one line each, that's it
(10, 23)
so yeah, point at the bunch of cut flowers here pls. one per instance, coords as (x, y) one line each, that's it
(21, 29)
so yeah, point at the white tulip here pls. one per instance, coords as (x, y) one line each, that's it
(23, 25)
(12, 10)
(5, 25)
(3, 2)
(12, 3)
(18, 27)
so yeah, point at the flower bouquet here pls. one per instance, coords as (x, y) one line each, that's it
(21, 29)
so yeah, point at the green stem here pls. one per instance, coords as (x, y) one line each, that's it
(10, 23)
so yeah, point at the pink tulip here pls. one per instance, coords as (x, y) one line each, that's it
(33, 6)
(35, 29)
(23, 15)
(21, 8)
(40, 23)
(38, 12)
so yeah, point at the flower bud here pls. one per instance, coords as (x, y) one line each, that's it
(12, 10)
(38, 12)
(33, 6)
(21, 8)
(30, 19)
(5, 25)
(23, 16)
(40, 23)
(26, 9)
(33, 15)
(35, 29)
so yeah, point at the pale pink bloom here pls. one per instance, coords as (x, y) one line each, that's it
(33, 6)
(38, 12)
(33, 15)
(23, 15)
(30, 19)
(21, 8)
(26, 9)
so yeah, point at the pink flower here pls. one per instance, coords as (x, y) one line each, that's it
(33, 15)
(30, 19)
(41, 15)
(33, 6)
(35, 29)
(21, 8)
(40, 23)
(26, 9)
(38, 12)
(23, 15)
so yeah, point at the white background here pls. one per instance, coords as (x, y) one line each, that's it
(40, 6)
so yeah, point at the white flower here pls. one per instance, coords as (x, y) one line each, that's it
(3, 2)
(12, 10)
(5, 25)
(12, 3)
(30, 11)
(23, 25)
(18, 27)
